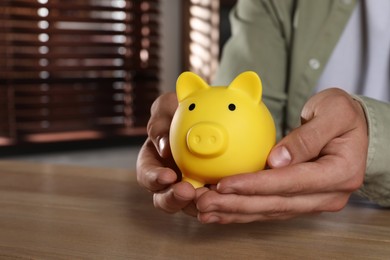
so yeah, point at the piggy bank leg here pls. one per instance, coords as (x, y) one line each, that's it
(195, 183)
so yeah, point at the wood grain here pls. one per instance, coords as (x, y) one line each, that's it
(69, 212)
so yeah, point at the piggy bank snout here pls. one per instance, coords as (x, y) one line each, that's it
(207, 139)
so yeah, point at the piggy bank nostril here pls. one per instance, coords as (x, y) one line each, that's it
(212, 139)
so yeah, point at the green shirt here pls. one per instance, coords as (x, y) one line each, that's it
(288, 43)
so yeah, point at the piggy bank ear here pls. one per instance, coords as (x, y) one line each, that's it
(250, 83)
(187, 83)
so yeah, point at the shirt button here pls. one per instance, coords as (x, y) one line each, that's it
(314, 64)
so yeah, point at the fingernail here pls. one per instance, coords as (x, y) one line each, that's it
(220, 188)
(162, 142)
(280, 157)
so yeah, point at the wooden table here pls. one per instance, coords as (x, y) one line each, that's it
(68, 212)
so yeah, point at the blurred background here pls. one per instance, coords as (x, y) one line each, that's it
(78, 77)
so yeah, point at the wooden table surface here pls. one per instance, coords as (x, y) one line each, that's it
(69, 212)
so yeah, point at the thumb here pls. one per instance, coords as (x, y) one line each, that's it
(302, 144)
(325, 116)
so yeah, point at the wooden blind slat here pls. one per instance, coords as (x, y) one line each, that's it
(200, 37)
(94, 5)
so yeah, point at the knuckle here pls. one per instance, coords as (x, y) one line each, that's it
(354, 185)
(161, 113)
(156, 104)
(346, 106)
(152, 129)
(164, 100)
(351, 172)
(149, 126)
(279, 209)
(338, 202)
(306, 142)
(338, 205)
(154, 110)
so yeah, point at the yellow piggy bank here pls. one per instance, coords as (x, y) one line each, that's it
(220, 131)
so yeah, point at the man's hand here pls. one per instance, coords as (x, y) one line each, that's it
(314, 168)
(156, 169)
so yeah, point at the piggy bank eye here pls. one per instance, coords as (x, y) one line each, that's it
(232, 107)
(191, 107)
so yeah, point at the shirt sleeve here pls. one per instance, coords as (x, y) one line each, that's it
(376, 185)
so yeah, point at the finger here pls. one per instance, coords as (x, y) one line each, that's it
(341, 168)
(199, 192)
(327, 174)
(151, 173)
(228, 218)
(191, 208)
(271, 206)
(324, 117)
(162, 112)
(175, 198)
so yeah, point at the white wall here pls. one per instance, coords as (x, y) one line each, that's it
(170, 43)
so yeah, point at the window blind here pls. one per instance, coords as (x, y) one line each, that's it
(77, 69)
(201, 35)
(206, 28)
